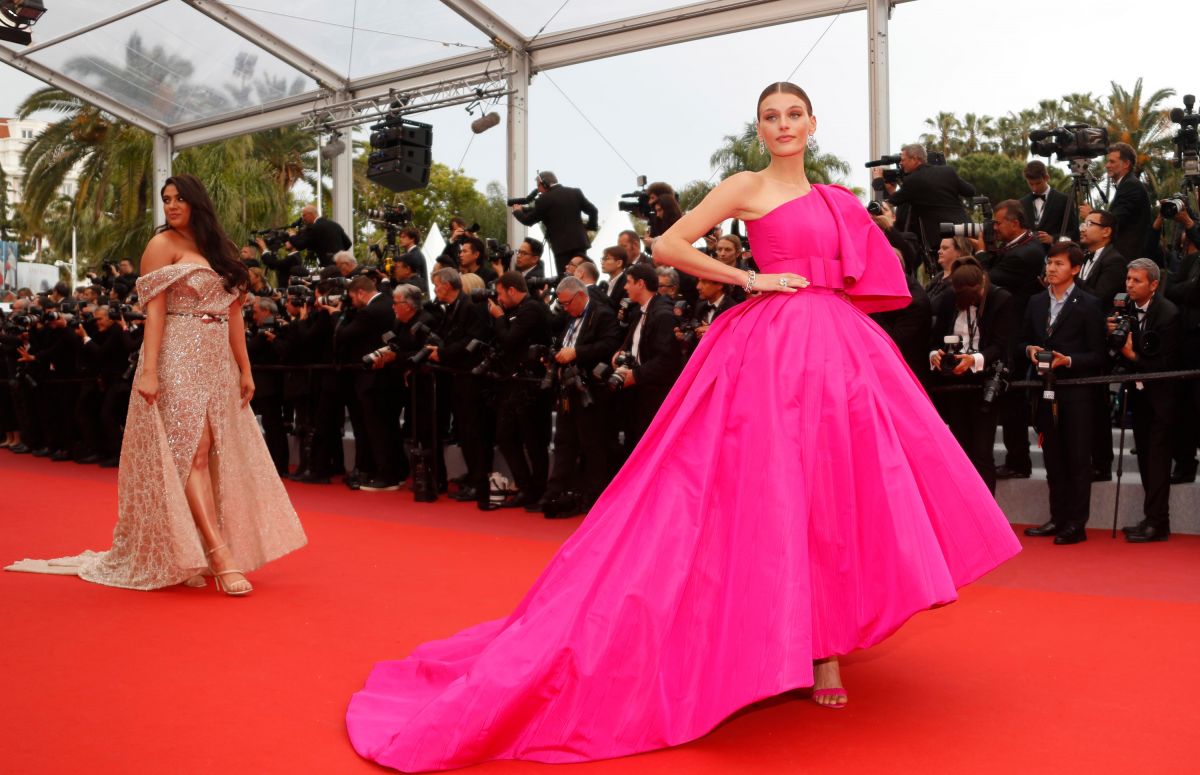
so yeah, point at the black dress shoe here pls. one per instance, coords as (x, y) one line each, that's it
(1131, 529)
(110, 462)
(1149, 534)
(1004, 472)
(466, 494)
(1101, 475)
(1050, 528)
(88, 459)
(380, 485)
(1183, 477)
(43, 452)
(517, 500)
(20, 449)
(1070, 535)
(488, 505)
(60, 456)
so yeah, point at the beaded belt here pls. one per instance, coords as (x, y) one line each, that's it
(205, 317)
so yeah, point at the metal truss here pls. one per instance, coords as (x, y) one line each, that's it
(364, 110)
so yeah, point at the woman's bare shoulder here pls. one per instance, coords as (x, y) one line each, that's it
(162, 250)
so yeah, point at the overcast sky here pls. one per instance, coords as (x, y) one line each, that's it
(665, 111)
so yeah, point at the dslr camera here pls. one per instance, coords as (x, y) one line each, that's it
(985, 228)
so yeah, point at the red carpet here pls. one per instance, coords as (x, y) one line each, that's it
(1068, 659)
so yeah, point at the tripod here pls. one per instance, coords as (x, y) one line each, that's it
(1082, 182)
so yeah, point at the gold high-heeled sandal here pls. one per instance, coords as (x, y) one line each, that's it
(221, 584)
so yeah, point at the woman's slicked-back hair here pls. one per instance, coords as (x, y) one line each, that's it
(784, 87)
(212, 241)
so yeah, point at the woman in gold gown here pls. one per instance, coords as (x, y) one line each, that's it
(197, 491)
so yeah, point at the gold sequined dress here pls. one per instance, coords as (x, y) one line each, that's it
(156, 543)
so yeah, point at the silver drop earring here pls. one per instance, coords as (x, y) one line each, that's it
(762, 147)
(812, 143)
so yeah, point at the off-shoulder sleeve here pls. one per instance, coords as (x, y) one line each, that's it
(874, 277)
(153, 283)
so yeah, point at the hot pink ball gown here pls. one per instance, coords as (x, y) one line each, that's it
(796, 497)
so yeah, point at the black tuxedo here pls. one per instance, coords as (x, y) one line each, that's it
(474, 421)
(416, 261)
(659, 362)
(523, 416)
(726, 302)
(287, 267)
(1016, 269)
(267, 402)
(931, 195)
(1131, 208)
(374, 413)
(1077, 332)
(1106, 276)
(584, 437)
(534, 272)
(972, 423)
(616, 290)
(909, 328)
(558, 211)
(322, 238)
(1057, 207)
(1154, 406)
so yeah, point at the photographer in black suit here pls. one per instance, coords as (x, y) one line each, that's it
(1152, 345)
(528, 259)
(286, 266)
(1066, 326)
(584, 433)
(320, 236)
(368, 394)
(267, 402)
(651, 342)
(523, 412)
(558, 208)
(1015, 266)
(474, 420)
(929, 195)
(1130, 205)
(614, 262)
(1103, 276)
(409, 238)
(983, 317)
(1051, 213)
(909, 328)
(1183, 288)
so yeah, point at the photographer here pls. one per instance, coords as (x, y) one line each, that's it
(656, 360)
(320, 414)
(250, 256)
(458, 232)
(1051, 213)
(345, 265)
(614, 263)
(52, 358)
(1016, 266)
(1062, 336)
(1103, 273)
(715, 298)
(529, 258)
(950, 249)
(367, 393)
(474, 422)
(105, 356)
(909, 327)
(668, 282)
(583, 429)
(1130, 205)
(286, 267)
(523, 410)
(1152, 344)
(471, 260)
(123, 284)
(632, 243)
(409, 239)
(930, 194)
(1183, 289)
(267, 402)
(558, 208)
(982, 317)
(907, 243)
(319, 236)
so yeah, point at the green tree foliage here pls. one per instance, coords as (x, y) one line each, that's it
(994, 175)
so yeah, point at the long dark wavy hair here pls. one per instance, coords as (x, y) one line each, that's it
(214, 244)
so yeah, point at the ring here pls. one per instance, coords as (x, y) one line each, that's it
(783, 283)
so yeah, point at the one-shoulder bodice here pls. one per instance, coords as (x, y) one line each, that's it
(827, 237)
(189, 287)
(799, 236)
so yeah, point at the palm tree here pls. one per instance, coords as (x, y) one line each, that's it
(976, 131)
(945, 135)
(1144, 124)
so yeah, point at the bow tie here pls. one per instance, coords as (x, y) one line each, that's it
(1088, 256)
(1040, 196)
(1141, 311)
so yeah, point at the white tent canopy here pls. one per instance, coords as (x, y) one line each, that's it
(195, 71)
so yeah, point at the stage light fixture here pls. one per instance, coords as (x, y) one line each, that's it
(334, 147)
(16, 17)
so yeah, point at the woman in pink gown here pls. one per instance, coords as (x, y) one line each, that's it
(796, 498)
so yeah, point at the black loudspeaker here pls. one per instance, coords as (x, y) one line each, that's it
(421, 157)
(398, 175)
(401, 155)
